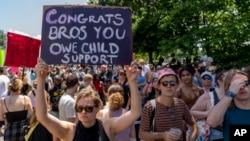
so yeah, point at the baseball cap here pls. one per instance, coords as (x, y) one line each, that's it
(166, 71)
(206, 73)
(209, 59)
(58, 77)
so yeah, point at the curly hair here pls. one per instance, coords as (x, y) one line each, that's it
(116, 101)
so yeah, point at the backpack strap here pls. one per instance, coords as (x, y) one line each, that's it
(216, 98)
(152, 117)
(211, 95)
(27, 136)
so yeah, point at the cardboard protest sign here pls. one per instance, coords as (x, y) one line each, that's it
(22, 51)
(86, 35)
(2, 56)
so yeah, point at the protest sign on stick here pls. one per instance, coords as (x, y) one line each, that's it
(86, 35)
(22, 51)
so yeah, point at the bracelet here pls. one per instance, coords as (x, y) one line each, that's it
(230, 94)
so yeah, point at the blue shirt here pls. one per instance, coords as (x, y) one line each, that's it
(235, 116)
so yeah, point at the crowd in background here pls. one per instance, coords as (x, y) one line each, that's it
(173, 96)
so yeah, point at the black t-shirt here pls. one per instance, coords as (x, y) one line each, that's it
(55, 94)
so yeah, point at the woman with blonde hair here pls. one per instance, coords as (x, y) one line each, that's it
(114, 109)
(15, 108)
(88, 104)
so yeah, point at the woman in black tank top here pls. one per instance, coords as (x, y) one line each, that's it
(15, 108)
(88, 104)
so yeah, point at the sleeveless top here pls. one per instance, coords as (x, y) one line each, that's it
(124, 134)
(190, 102)
(94, 133)
(16, 115)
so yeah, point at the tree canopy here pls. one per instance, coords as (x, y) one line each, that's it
(220, 28)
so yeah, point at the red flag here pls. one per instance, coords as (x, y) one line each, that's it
(22, 51)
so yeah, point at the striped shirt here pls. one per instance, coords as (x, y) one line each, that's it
(166, 117)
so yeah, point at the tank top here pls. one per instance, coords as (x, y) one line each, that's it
(94, 133)
(16, 115)
(190, 102)
(124, 134)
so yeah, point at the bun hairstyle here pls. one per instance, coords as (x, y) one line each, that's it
(116, 101)
(15, 85)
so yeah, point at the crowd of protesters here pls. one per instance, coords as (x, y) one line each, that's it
(143, 101)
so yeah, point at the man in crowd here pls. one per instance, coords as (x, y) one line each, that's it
(55, 94)
(67, 101)
(4, 80)
(145, 68)
(162, 118)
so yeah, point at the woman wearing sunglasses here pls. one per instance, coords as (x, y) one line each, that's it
(87, 105)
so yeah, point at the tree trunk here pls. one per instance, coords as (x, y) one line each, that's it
(150, 56)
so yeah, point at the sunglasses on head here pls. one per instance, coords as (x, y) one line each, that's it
(247, 82)
(171, 83)
(87, 109)
(206, 77)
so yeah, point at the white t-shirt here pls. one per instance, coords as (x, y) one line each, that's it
(66, 107)
(145, 69)
(4, 81)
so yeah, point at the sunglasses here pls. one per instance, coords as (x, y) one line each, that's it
(247, 82)
(171, 83)
(87, 109)
(207, 77)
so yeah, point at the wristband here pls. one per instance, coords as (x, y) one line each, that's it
(231, 94)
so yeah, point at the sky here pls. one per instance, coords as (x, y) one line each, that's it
(26, 15)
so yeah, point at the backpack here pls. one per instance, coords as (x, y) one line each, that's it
(152, 117)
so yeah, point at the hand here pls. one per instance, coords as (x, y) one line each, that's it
(41, 69)
(132, 71)
(169, 136)
(236, 85)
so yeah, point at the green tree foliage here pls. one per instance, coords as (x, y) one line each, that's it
(2, 39)
(219, 27)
